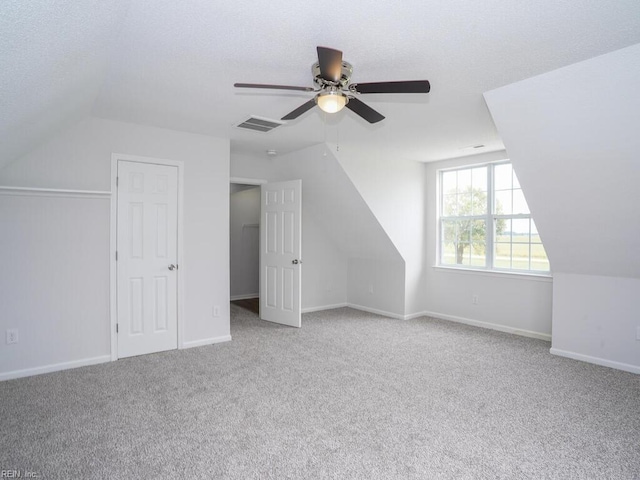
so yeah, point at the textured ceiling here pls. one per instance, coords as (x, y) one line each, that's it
(173, 64)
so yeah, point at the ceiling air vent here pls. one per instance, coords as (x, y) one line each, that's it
(259, 124)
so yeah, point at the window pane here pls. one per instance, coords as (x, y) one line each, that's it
(479, 204)
(449, 239)
(449, 182)
(478, 255)
(502, 255)
(502, 177)
(464, 180)
(520, 256)
(464, 230)
(479, 232)
(449, 205)
(449, 230)
(535, 236)
(458, 237)
(448, 254)
(503, 202)
(519, 203)
(503, 230)
(479, 179)
(539, 260)
(516, 183)
(520, 230)
(463, 256)
(465, 205)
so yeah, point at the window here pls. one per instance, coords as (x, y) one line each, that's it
(485, 221)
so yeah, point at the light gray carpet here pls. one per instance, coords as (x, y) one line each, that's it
(350, 395)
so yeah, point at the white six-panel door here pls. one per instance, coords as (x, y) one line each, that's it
(280, 245)
(147, 286)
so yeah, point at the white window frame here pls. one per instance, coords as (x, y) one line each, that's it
(490, 218)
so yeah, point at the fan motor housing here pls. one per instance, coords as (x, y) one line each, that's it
(347, 71)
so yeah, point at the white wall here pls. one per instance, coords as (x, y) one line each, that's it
(393, 188)
(253, 166)
(80, 158)
(377, 285)
(244, 231)
(597, 320)
(324, 269)
(507, 302)
(572, 135)
(54, 286)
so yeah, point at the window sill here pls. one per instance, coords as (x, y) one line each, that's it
(536, 277)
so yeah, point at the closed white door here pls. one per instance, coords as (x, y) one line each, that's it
(147, 249)
(280, 249)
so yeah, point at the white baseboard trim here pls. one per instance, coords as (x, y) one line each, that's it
(244, 297)
(411, 316)
(324, 307)
(28, 372)
(491, 326)
(596, 360)
(206, 341)
(376, 311)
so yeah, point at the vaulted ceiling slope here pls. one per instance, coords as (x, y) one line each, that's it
(53, 61)
(173, 64)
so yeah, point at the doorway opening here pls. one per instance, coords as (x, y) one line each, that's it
(244, 244)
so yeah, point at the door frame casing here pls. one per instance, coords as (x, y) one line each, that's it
(113, 280)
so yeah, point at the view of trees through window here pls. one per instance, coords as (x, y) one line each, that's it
(485, 221)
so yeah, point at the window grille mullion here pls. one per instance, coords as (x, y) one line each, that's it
(489, 219)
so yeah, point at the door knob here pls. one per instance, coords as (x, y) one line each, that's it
(296, 261)
(172, 267)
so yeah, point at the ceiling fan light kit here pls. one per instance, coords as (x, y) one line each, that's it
(331, 76)
(331, 101)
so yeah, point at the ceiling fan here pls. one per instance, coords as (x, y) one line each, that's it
(331, 76)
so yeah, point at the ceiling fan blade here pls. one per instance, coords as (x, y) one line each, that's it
(272, 87)
(300, 110)
(364, 110)
(330, 61)
(409, 86)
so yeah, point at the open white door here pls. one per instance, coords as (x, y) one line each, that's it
(147, 252)
(280, 249)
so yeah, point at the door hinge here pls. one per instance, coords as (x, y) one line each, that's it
(116, 255)
(117, 181)
(116, 328)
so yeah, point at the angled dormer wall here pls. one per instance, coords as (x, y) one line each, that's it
(572, 135)
(348, 257)
(394, 191)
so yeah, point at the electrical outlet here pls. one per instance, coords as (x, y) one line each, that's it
(474, 299)
(216, 311)
(12, 336)
(638, 333)
(371, 288)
